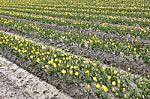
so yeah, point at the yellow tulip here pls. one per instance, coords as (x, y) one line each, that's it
(38, 60)
(54, 64)
(87, 72)
(63, 72)
(88, 87)
(129, 69)
(113, 89)
(104, 88)
(113, 83)
(109, 77)
(71, 72)
(94, 79)
(97, 86)
(76, 73)
(124, 89)
(31, 57)
(115, 72)
(119, 81)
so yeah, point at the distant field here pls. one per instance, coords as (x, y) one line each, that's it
(93, 49)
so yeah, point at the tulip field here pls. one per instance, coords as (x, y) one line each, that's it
(88, 49)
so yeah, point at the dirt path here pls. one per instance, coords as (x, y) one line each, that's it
(8, 90)
(16, 83)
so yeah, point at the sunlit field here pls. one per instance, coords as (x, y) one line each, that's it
(89, 49)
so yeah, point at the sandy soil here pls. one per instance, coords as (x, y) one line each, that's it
(17, 83)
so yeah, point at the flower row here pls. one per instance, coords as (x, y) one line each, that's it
(83, 40)
(62, 8)
(104, 81)
(106, 27)
(79, 16)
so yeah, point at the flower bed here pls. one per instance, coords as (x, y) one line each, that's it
(98, 78)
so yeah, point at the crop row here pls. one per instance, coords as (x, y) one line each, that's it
(98, 78)
(85, 6)
(106, 27)
(87, 11)
(78, 16)
(110, 3)
(83, 40)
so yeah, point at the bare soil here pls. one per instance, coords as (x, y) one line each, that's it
(17, 83)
